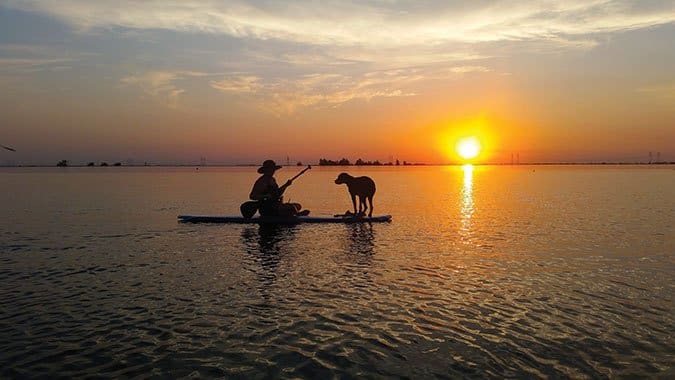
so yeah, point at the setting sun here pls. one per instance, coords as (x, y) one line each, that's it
(468, 147)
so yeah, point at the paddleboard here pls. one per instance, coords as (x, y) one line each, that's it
(283, 219)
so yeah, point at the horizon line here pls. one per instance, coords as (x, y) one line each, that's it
(571, 163)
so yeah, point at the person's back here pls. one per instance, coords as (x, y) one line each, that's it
(269, 194)
(265, 187)
(266, 191)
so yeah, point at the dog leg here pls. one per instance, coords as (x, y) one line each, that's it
(364, 206)
(354, 204)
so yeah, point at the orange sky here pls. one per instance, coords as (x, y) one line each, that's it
(242, 81)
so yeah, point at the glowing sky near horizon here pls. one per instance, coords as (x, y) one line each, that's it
(241, 81)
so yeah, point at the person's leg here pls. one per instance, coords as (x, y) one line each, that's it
(298, 207)
(291, 209)
(269, 209)
(288, 209)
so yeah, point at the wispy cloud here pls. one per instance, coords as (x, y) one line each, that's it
(286, 96)
(19, 58)
(469, 69)
(25, 49)
(161, 84)
(304, 53)
(30, 63)
(364, 23)
(238, 84)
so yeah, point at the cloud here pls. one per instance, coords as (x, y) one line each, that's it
(26, 59)
(29, 63)
(153, 82)
(25, 49)
(161, 84)
(241, 84)
(363, 23)
(286, 96)
(304, 53)
(469, 69)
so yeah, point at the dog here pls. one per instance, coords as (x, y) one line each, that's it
(361, 187)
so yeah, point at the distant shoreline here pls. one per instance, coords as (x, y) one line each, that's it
(111, 167)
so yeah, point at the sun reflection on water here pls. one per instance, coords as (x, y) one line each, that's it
(467, 202)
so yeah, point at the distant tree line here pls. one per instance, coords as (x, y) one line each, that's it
(326, 162)
(359, 162)
(64, 163)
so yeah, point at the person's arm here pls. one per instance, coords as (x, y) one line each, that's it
(266, 188)
(283, 187)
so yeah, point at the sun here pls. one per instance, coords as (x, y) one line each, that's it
(468, 147)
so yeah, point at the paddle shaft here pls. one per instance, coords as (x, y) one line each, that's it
(301, 173)
(288, 183)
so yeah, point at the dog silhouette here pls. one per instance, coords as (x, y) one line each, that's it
(361, 187)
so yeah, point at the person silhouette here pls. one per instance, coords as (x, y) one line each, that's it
(270, 195)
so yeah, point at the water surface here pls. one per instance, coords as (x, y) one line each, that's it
(558, 271)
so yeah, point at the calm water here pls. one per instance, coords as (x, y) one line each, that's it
(483, 272)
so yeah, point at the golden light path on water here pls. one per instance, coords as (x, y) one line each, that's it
(467, 202)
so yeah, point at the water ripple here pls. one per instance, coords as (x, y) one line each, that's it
(527, 282)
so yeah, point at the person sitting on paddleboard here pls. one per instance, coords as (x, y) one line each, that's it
(269, 194)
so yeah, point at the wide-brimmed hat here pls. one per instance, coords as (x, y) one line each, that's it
(268, 164)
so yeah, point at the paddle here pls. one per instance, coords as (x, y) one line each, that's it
(301, 173)
(248, 209)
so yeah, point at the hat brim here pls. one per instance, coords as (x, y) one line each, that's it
(262, 168)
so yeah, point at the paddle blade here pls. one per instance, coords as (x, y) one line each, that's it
(248, 209)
